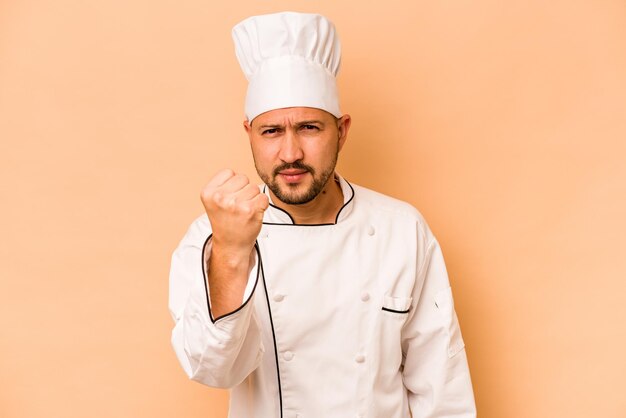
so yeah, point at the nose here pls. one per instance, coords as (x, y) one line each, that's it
(290, 148)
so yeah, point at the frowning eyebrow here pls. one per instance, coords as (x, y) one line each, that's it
(310, 122)
(269, 126)
(297, 124)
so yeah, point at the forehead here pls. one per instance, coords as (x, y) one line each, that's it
(291, 115)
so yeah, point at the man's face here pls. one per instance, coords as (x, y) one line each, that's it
(295, 150)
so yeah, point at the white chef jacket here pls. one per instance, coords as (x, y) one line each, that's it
(350, 319)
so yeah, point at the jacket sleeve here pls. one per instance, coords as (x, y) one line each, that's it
(219, 352)
(435, 369)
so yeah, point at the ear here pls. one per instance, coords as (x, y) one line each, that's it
(248, 128)
(343, 125)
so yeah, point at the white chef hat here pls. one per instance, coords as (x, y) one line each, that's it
(290, 59)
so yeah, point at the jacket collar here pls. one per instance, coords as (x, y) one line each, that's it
(275, 215)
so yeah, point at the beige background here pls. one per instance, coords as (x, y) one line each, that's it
(503, 122)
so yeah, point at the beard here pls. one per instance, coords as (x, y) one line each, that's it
(289, 193)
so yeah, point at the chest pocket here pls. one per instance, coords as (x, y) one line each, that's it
(392, 316)
(396, 306)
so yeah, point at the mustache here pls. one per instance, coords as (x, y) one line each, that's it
(298, 165)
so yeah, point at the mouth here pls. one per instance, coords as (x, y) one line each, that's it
(292, 175)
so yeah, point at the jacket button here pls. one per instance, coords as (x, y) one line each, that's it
(365, 296)
(287, 355)
(371, 231)
(360, 358)
(278, 297)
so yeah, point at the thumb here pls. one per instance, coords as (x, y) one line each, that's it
(261, 202)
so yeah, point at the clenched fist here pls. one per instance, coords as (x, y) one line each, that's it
(235, 209)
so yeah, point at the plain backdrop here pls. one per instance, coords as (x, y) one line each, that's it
(503, 122)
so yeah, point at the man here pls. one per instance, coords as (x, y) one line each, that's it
(309, 296)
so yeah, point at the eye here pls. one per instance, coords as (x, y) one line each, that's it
(310, 127)
(269, 131)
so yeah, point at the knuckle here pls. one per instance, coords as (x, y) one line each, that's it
(245, 210)
(242, 178)
(252, 189)
(231, 203)
(206, 194)
(217, 197)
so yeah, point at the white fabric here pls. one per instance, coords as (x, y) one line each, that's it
(290, 59)
(338, 294)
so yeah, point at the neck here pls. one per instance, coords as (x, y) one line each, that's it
(321, 210)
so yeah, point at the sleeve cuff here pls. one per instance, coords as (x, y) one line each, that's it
(253, 278)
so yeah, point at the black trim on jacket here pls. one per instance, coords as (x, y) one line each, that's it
(269, 309)
(293, 223)
(206, 286)
(396, 311)
(269, 312)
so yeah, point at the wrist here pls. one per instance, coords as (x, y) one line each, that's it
(234, 257)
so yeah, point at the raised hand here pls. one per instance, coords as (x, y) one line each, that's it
(235, 209)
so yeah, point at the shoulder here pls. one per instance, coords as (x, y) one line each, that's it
(382, 205)
(384, 202)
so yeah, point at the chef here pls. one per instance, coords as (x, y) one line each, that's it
(309, 296)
